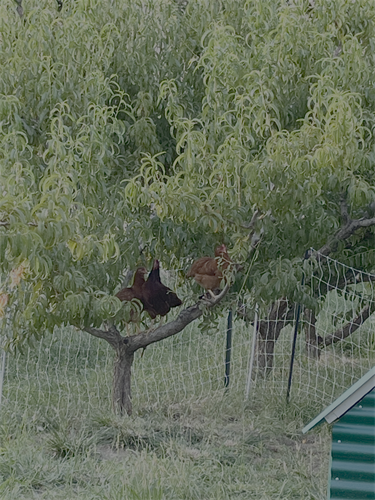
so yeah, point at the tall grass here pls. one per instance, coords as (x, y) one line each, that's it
(217, 449)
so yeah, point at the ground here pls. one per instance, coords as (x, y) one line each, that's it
(217, 449)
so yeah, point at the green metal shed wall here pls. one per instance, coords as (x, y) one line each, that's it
(353, 453)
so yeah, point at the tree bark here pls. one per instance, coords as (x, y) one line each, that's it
(349, 227)
(268, 333)
(19, 7)
(121, 395)
(347, 330)
(315, 343)
(312, 339)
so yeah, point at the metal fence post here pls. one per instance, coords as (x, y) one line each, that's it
(2, 374)
(228, 348)
(252, 355)
(295, 334)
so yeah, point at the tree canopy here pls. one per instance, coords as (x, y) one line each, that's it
(134, 129)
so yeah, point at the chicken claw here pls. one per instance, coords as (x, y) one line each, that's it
(211, 299)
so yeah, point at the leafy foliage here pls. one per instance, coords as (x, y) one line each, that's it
(134, 129)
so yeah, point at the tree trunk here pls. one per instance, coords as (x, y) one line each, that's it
(312, 339)
(125, 347)
(121, 394)
(268, 333)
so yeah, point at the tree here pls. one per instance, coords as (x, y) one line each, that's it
(125, 347)
(132, 129)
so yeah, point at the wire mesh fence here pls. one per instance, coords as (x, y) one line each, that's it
(336, 335)
(69, 373)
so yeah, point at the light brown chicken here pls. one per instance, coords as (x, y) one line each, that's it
(208, 271)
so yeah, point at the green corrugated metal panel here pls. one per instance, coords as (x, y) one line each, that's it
(353, 453)
(347, 400)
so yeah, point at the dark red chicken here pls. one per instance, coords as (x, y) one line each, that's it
(158, 299)
(208, 271)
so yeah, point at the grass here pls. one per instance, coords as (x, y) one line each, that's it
(217, 449)
(188, 439)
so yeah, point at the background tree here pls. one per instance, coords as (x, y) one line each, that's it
(138, 129)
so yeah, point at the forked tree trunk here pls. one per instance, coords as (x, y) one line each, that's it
(121, 392)
(125, 347)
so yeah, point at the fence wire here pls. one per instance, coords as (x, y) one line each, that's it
(69, 373)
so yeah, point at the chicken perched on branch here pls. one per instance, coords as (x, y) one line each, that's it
(134, 292)
(208, 271)
(158, 299)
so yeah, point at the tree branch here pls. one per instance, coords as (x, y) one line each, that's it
(344, 210)
(185, 317)
(112, 335)
(257, 215)
(351, 277)
(350, 227)
(254, 218)
(19, 7)
(345, 331)
(143, 339)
